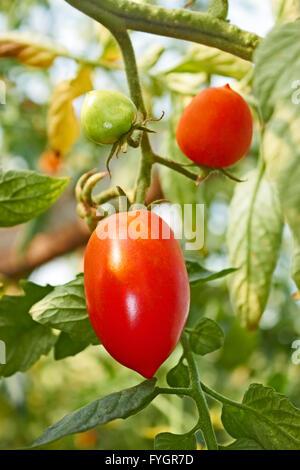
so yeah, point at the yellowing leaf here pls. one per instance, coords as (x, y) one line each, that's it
(286, 10)
(277, 69)
(83, 82)
(253, 239)
(29, 49)
(204, 59)
(63, 126)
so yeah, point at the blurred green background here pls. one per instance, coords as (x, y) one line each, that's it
(32, 401)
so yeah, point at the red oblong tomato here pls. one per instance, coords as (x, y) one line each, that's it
(216, 128)
(136, 288)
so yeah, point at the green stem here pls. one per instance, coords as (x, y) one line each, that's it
(181, 169)
(146, 162)
(108, 194)
(199, 397)
(217, 396)
(218, 8)
(144, 175)
(179, 23)
(175, 391)
(131, 69)
(93, 63)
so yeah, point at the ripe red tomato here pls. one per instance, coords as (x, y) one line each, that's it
(216, 128)
(137, 290)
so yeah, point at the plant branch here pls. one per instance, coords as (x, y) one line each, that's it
(218, 8)
(144, 175)
(199, 397)
(217, 396)
(182, 169)
(174, 391)
(183, 24)
(93, 63)
(131, 69)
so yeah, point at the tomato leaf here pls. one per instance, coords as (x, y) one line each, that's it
(266, 417)
(198, 274)
(25, 340)
(25, 194)
(206, 337)
(277, 66)
(179, 376)
(67, 346)
(276, 86)
(253, 240)
(169, 441)
(65, 309)
(212, 61)
(30, 49)
(117, 405)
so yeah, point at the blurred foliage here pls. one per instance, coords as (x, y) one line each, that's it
(30, 402)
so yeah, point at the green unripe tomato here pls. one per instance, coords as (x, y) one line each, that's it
(106, 115)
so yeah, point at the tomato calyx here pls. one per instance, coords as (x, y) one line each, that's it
(88, 204)
(207, 171)
(132, 138)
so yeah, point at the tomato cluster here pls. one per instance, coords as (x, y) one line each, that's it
(136, 287)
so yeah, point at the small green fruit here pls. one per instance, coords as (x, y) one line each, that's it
(106, 115)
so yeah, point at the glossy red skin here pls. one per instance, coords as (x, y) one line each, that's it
(216, 128)
(137, 294)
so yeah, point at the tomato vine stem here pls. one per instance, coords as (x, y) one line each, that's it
(203, 28)
(146, 162)
(198, 395)
(182, 169)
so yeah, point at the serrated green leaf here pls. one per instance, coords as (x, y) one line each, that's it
(179, 376)
(265, 416)
(253, 240)
(25, 194)
(242, 444)
(117, 405)
(169, 441)
(65, 309)
(206, 337)
(25, 340)
(212, 61)
(66, 346)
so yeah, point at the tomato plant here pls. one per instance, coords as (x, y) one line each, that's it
(216, 128)
(181, 270)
